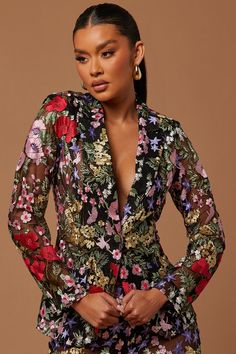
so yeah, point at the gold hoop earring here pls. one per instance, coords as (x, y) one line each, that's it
(82, 85)
(137, 73)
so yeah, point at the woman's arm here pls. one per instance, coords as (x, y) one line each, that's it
(192, 195)
(27, 225)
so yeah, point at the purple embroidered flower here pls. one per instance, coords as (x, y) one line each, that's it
(127, 209)
(152, 119)
(34, 149)
(187, 205)
(154, 143)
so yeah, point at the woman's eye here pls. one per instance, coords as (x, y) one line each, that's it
(106, 54)
(80, 59)
(109, 52)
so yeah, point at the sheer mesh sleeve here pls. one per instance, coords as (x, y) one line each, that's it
(192, 195)
(28, 228)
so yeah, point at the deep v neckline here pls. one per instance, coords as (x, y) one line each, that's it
(138, 106)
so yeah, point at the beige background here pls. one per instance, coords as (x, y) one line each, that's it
(190, 57)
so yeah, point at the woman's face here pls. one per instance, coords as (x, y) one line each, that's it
(102, 53)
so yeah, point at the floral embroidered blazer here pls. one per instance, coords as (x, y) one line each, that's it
(67, 148)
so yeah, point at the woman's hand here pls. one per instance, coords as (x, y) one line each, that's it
(99, 309)
(141, 305)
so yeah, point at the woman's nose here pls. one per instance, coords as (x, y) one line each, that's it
(95, 67)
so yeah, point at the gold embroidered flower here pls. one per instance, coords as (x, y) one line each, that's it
(131, 240)
(189, 350)
(87, 231)
(192, 216)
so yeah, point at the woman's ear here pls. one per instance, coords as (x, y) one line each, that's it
(139, 52)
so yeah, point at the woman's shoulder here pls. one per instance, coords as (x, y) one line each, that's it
(69, 96)
(163, 120)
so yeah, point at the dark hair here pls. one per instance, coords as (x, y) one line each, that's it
(114, 14)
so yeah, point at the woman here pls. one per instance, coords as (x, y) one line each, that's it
(107, 285)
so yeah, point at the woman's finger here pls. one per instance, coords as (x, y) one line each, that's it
(128, 297)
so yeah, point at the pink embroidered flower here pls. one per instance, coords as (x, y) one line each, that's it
(95, 124)
(138, 339)
(136, 269)
(145, 284)
(28, 207)
(70, 263)
(132, 286)
(34, 149)
(105, 335)
(65, 299)
(62, 244)
(69, 282)
(209, 202)
(40, 230)
(92, 201)
(25, 217)
(24, 192)
(119, 345)
(87, 189)
(97, 116)
(20, 202)
(47, 150)
(61, 208)
(101, 201)
(124, 273)
(30, 198)
(155, 341)
(21, 161)
(16, 224)
(37, 127)
(155, 329)
(84, 198)
(43, 311)
(116, 254)
(56, 104)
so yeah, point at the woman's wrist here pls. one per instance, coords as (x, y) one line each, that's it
(162, 298)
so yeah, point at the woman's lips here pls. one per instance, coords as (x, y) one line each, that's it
(100, 87)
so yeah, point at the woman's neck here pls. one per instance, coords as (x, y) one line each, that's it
(117, 112)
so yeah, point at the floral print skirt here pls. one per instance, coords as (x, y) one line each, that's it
(180, 345)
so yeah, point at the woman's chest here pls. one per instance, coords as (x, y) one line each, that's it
(123, 145)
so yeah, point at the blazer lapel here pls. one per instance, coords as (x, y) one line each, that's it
(98, 161)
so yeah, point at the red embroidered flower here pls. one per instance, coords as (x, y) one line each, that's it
(125, 286)
(56, 104)
(65, 126)
(115, 268)
(201, 267)
(49, 253)
(95, 289)
(201, 286)
(190, 299)
(28, 240)
(27, 262)
(37, 268)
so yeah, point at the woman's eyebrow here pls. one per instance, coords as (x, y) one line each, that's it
(98, 47)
